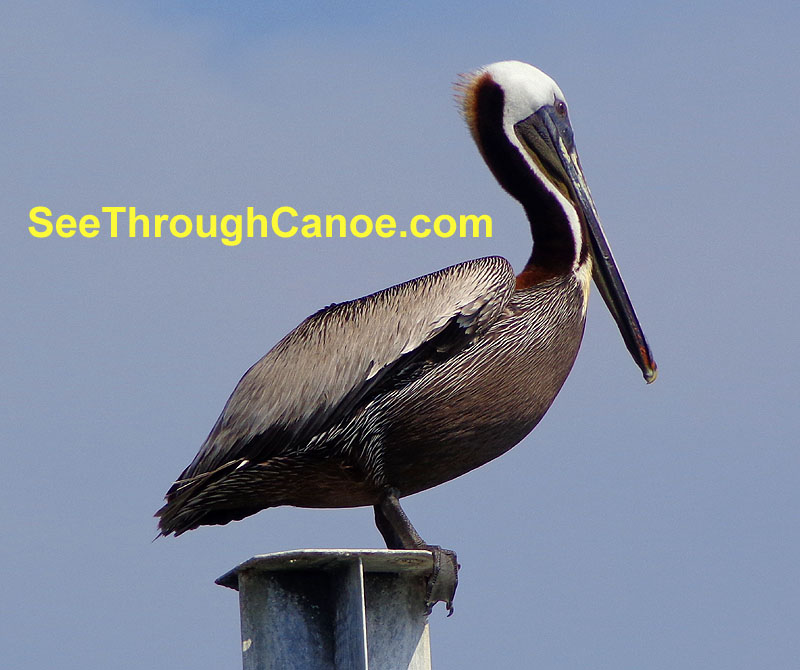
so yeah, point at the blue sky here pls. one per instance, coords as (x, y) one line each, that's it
(638, 526)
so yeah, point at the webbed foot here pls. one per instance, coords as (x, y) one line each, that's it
(443, 580)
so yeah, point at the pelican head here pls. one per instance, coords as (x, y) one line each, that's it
(519, 119)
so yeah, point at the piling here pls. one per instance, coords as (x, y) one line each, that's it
(334, 609)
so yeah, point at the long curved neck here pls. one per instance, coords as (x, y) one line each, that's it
(554, 247)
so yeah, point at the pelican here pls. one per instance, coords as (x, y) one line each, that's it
(378, 398)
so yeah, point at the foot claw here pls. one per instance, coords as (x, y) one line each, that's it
(443, 580)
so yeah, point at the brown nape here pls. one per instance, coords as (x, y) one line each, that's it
(533, 275)
(467, 96)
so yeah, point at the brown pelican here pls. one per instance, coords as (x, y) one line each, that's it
(381, 397)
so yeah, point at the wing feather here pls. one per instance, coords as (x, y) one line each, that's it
(334, 359)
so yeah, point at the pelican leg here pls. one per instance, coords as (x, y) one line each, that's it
(398, 533)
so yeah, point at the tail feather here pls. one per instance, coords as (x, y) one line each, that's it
(190, 503)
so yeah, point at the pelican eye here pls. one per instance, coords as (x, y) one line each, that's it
(561, 107)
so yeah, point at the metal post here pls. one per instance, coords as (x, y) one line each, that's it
(334, 609)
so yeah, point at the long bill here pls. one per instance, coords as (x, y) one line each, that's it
(605, 273)
(554, 135)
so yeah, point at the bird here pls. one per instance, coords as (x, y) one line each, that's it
(374, 399)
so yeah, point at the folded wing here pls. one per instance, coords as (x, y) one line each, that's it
(338, 360)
